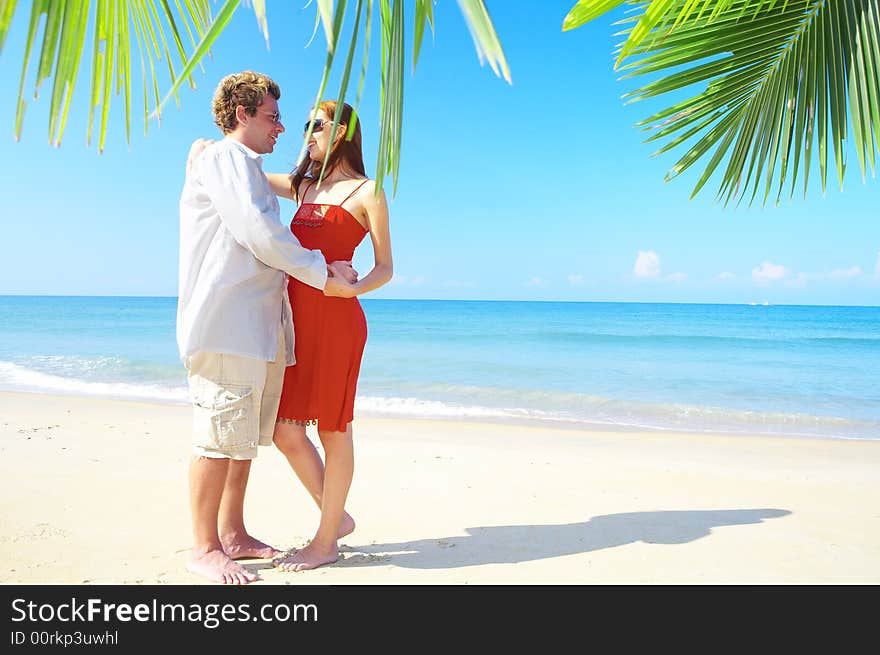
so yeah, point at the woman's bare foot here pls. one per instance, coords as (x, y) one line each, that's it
(346, 526)
(246, 547)
(217, 566)
(309, 557)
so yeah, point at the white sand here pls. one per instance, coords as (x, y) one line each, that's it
(95, 491)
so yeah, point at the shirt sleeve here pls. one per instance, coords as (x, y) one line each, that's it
(248, 209)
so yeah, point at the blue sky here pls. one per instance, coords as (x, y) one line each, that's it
(539, 190)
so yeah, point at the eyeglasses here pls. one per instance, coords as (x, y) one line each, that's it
(274, 116)
(318, 125)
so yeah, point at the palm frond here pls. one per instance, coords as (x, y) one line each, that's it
(424, 13)
(343, 86)
(326, 13)
(336, 28)
(7, 9)
(115, 24)
(778, 76)
(485, 39)
(392, 68)
(182, 36)
(368, 22)
(586, 10)
(262, 23)
(391, 103)
(209, 36)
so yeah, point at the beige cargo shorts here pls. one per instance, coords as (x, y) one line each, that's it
(235, 402)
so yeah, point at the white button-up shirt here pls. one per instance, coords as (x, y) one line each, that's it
(235, 256)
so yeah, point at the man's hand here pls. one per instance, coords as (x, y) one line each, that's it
(342, 269)
(339, 288)
(195, 150)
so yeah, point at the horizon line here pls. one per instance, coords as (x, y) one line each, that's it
(607, 302)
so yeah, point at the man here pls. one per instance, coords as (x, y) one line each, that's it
(234, 325)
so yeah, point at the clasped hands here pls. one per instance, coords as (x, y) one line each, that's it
(340, 278)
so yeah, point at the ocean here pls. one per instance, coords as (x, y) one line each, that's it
(790, 371)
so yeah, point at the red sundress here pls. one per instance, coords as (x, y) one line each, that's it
(329, 333)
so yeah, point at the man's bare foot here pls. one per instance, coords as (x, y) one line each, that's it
(346, 526)
(310, 557)
(246, 547)
(216, 565)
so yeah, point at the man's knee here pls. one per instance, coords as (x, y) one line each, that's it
(239, 466)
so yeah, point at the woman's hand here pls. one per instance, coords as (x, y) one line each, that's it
(339, 287)
(343, 269)
(195, 150)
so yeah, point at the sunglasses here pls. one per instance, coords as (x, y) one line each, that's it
(274, 116)
(319, 124)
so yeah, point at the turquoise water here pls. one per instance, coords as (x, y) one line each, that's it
(786, 370)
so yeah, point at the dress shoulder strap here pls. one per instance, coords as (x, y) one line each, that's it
(356, 189)
(308, 185)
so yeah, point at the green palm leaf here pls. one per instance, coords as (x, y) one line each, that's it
(777, 76)
(343, 86)
(115, 23)
(156, 30)
(7, 9)
(782, 77)
(483, 33)
(424, 13)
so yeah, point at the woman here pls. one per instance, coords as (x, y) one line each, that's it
(330, 333)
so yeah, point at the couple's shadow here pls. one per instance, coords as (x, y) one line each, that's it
(509, 544)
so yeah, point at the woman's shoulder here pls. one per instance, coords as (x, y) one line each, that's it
(356, 190)
(365, 188)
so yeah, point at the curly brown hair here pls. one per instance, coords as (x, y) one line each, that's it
(247, 89)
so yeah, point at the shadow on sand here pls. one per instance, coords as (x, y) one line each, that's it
(508, 544)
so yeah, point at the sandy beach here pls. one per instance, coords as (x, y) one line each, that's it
(95, 491)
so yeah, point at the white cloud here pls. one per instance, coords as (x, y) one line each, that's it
(846, 273)
(535, 282)
(404, 281)
(769, 272)
(725, 275)
(801, 279)
(676, 277)
(575, 280)
(647, 264)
